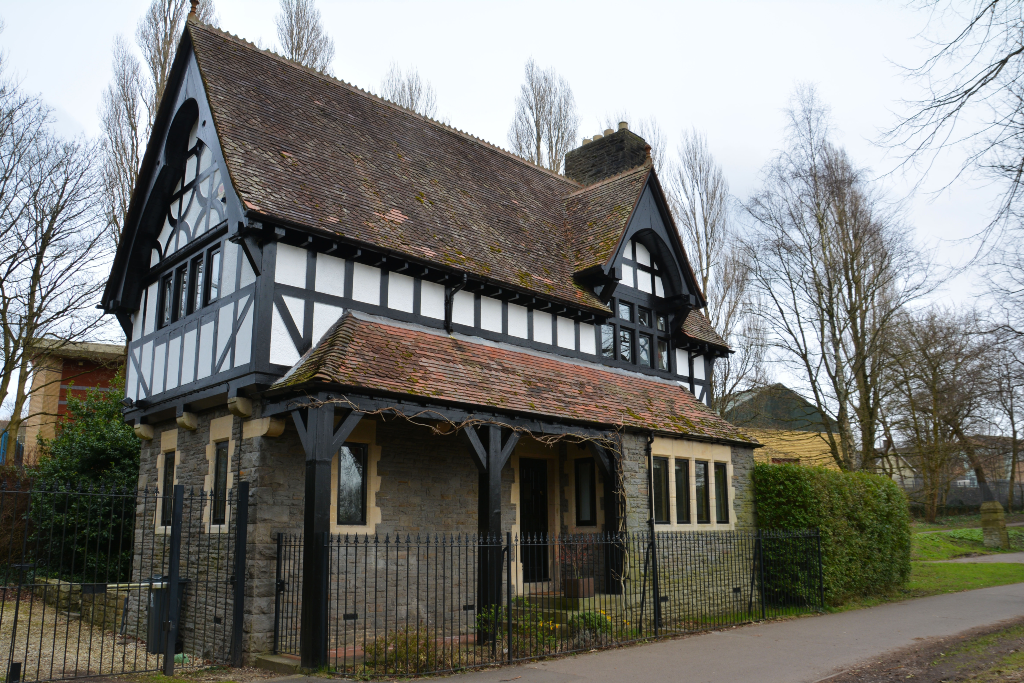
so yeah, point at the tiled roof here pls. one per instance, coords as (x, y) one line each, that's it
(366, 354)
(597, 215)
(308, 149)
(697, 326)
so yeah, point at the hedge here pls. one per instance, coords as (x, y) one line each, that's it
(863, 519)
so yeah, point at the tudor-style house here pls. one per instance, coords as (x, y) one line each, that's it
(374, 318)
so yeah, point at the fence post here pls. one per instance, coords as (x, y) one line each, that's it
(241, 538)
(14, 673)
(760, 571)
(821, 576)
(277, 593)
(508, 593)
(173, 605)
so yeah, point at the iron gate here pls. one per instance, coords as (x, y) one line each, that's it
(101, 582)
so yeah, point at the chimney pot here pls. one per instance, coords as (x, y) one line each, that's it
(195, 7)
(623, 125)
(597, 137)
(608, 131)
(586, 141)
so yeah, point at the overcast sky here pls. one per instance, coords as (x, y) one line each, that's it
(726, 68)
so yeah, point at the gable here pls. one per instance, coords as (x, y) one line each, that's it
(184, 192)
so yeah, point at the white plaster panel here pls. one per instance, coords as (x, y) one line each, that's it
(643, 281)
(146, 365)
(462, 309)
(297, 309)
(173, 362)
(643, 257)
(366, 284)
(291, 266)
(542, 327)
(518, 325)
(400, 292)
(324, 315)
(205, 348)
(247, 276)
(432, 300)
(682, 363)
(151, 299)
(159, 358)
(490, 314)
(588, 338)
(131, 379)
(698, 367)
(243, 339)
(282, 350)
(566, 328)
(330, 275)
(229, 267)
(659, 286)
(188, 357)
(627, 276)
(137, 323)
(226, 320)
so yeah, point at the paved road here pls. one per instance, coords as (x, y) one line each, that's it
(1015, 558)
(797, 651)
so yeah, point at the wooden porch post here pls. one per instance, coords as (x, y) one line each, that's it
(320, 441)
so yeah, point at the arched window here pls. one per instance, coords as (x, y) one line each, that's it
(640, 270)
(197, 203)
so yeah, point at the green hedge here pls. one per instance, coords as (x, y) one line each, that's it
(863, 518)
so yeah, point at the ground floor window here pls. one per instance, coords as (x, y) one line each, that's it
(682, 491)
(721, 494)
(586, 493)
(220, 483)
(660, 474)
(352, 485)
(703, 495)
(167, 487)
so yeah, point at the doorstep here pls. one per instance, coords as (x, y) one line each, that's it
(282, 664)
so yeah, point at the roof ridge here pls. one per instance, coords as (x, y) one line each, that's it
(196, 23)
(646, 166)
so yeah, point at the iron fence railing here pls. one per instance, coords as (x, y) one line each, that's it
(412, 605)
(93, 583)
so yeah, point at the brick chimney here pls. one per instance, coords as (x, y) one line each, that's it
(606, 155)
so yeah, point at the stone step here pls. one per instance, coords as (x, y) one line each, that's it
(282, 664)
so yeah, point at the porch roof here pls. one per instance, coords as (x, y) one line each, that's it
(366, 353)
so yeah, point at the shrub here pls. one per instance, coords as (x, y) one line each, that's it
(533, 632)
(411, 651)
(863, 520)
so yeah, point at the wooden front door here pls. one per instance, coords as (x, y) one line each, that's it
(533, 521)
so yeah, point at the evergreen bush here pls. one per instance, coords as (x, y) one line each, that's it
(863, 519)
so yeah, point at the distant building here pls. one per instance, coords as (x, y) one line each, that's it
(67, 369)
(11, 450)
(791, 428)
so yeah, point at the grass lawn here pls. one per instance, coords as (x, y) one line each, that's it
(946, 545)
(958, 522)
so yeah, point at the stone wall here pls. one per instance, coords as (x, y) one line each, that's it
(744, 506)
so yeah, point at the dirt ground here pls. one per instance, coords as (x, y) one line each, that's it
(987, 655)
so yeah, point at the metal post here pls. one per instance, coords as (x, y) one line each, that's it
(508, 593)
(277, 593)
(655, 589)
(241, 538)
(173, 605)
(14, 673)
(821, 577)
(760, 569)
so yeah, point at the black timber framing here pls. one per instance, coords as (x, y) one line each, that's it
(320, 441)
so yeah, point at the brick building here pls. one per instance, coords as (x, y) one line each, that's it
(60, 371)
(385, 324)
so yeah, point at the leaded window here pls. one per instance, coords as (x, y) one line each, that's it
(197, 203)
(351, 501)
(220, 483)
(660, 476)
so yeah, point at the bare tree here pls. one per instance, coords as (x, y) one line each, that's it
(1004, 387)
(832, 266)
(123, 123)
(545, 124)
(302, 35)
(409, 90)
(699, 197)
(931, 352)
(157, 35)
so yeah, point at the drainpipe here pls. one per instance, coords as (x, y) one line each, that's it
(449, 302)
(656, 591)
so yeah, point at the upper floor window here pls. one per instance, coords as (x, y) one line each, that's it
(190, 286)
(197, 203)
(638, 335)
(640, 270)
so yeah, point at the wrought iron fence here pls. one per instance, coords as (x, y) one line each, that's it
(409, 605)
(92, 584)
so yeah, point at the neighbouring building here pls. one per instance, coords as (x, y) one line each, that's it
(791, 428)
(59, 371)
(385, 324)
